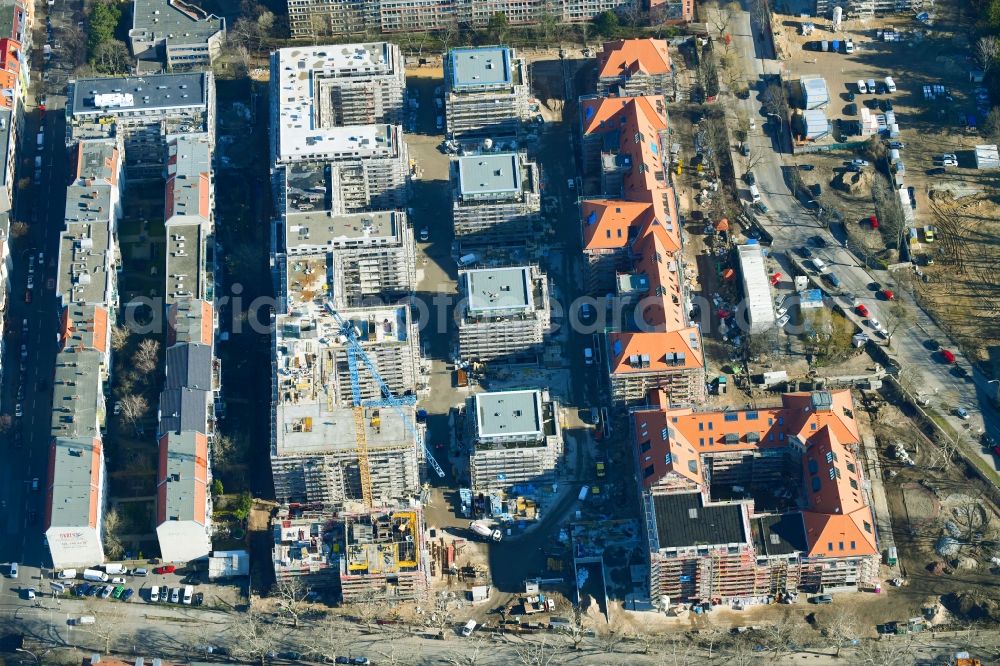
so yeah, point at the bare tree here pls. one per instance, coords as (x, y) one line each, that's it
(111, 57)
(18, 229)
(147, 356)
(896, 315)
(842, 628)
(469, 655)
(775, 101)
(111, 533)
(987, 52)
(991, 124)
(290, 595)
(255, 636)
(751, 161)
(576, 631)
(133, 408)
(536, 653)
(884, 653)
(719, 16)
(369, 608)
(110, 624)
(119, 336)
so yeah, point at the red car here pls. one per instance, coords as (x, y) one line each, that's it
(165, 569)
(861, 310)
(947, 356)
(872, 220)
(888, 295)
(996, 450)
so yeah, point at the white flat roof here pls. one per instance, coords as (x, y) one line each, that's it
(756, 287)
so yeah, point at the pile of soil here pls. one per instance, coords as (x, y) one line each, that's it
(973, 605)
(853, 182)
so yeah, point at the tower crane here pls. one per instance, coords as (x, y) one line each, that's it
(357, 356)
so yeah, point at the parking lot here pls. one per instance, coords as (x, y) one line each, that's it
(951, 214)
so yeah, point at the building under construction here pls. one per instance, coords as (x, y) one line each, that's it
(740, 505)
(504, 314)
(486, 92)
(496, 199)
(516, 438)
(384, 555)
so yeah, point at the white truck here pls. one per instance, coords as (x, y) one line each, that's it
(116, 569)
(484, 530)
(95, 576)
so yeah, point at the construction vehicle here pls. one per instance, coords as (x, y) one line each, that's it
(483, 530)
(537, 604)
(356, 352)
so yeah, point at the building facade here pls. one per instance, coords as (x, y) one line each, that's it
(495, 199)
(504, 314)
(487, 93)
(516, 438)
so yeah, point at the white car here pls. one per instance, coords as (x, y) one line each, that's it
(875, 324)
(949, 162)
(571, 183)
(175, 595)
(154, 593)
(859, 163)
(782, 320)
(118, 580)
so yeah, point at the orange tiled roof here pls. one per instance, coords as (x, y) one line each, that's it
(607, 114)
(836, 509)
(606, 222)
(658, 345)
(633, 56)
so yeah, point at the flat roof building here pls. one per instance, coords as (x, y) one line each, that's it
(174, 33)
(516, 438)
(504, 315)
(756, 288)
(143, 112)
(189, 218)
(486, 92)
(496, 199)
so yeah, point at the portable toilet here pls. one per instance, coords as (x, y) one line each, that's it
(835, 46)
(891, 557)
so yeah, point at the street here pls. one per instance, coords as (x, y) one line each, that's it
(42, 207)
(792, 226)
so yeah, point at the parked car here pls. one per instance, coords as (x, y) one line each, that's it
(154, 594)
(175, 595)
(106, 592)
(805, 252)
(749, 178)
(806, 167)
(962, 413)
(118, 580)
(859, 162)
(127, 594)
(887, 294)
(425, 234)
(947, 355)
(821, 599)
(140, 572)
(861, 310)
(817, 241)
(873, 221)
(851, 109)
(832, 279)
(166, 569)
(897, 145)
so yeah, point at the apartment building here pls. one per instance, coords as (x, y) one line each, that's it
(504, 314)
(516, 438)
(310, 18)
(76, 485)
(183, 497)
(487, 93)
(755, 502)
(143, 112)
(869, 8)
(634, 68)
(307, 545)
(384, 555)
(175, 33)
(8, 155)
(314, 455)
(496, 199)
(372, 254)
(189, 218)
(17, 18)
(352, 84)
(640, 362)
(88, 248)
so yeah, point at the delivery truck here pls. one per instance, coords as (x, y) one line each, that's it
(116, 569)
(484, 530)
(95, 576)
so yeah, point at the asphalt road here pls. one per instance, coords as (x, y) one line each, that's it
(30, 371)
(793, 226)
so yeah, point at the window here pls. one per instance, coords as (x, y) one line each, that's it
(781, 420)
(645, 446)
(816, 484)
(812, 426)
(831, 457)
(751, 416)
(854, 484)
(667, 459)
(648, 472)
(854, 545)
(701, 441)
(701, 425)
(663, 434)
(813, 467)
(829, 546)
(732, 416)
(711, 426)
(770, 421)
(692, 466)
(868, 527)
(834, 473)
(673, 419)
(781, 436)
(840, 545)
(851, 468)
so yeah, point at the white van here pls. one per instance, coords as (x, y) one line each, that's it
(116, 569)
(890, 85)
(588, 356)
(85, 619)
(818, 264)
(754, 194)
(469, 627)
(188, 594)
(862, 88)
(467, 259)
(154, 593)
(67, 574)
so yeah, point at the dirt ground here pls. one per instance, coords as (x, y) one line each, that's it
(960, 201)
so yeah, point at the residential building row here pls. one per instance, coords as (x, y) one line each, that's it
(314, 18)
(631, 233)
(487, 93)
(16, 22)
(89, 262)
(346, 465)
